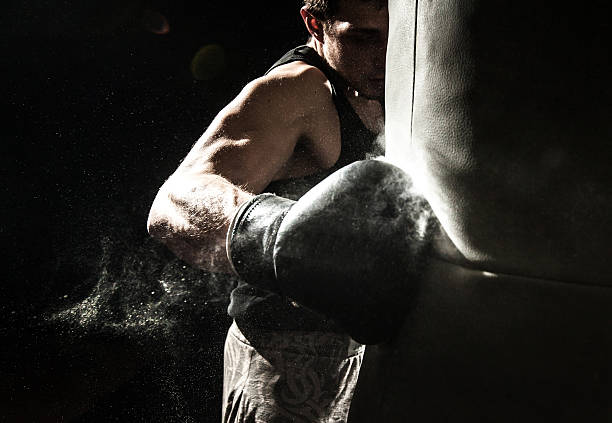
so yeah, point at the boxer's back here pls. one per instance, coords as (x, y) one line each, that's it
(508, 128)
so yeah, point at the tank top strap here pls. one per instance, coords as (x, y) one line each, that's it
(357, 140)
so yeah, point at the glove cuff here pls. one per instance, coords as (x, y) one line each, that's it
(251, 238)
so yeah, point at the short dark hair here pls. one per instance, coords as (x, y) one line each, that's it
(322, 9)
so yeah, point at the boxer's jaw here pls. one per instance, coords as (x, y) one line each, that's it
(355, 43)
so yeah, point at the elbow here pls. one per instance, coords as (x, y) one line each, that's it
(156, 227)
(157, 222)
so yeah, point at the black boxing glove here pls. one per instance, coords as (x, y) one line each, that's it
(351, 248)
(251, 238)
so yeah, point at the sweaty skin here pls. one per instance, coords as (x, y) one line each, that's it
(282, 125)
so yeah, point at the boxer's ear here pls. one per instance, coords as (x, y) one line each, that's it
(313, 25)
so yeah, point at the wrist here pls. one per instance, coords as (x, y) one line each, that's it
(251, 237)
(230, 232)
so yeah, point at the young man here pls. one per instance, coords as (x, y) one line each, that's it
(318, 109)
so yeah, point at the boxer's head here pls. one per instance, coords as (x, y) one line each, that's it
(352, 37)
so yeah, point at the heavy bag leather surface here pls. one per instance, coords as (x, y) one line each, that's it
(483, 347)
(501, 111)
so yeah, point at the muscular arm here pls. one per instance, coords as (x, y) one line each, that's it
(247, 145)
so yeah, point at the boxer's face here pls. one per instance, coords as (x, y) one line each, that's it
(356, 44)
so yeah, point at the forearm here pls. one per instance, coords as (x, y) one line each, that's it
(191, 215)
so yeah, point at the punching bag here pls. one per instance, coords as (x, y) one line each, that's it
(501, 112)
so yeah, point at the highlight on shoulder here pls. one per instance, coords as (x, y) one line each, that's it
(300, 76)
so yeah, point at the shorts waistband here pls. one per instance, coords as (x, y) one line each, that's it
(317, 343)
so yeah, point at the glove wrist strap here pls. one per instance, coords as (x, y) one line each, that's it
(251, 238)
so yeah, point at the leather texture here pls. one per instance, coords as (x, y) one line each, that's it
(251, 239)
(501, 112)
(484, 347)
(337, 252)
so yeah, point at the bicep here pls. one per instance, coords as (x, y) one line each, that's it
(250, 140)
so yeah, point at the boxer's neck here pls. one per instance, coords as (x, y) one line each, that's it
(370, 111)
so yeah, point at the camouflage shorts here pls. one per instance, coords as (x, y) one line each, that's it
(301, 377)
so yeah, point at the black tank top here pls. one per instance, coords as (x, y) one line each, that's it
(261, 310)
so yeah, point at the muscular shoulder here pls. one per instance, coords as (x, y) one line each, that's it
(296, 89)
(285, 117)
(289, 100)
(301, 74)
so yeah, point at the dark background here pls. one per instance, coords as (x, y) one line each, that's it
(99, 322)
